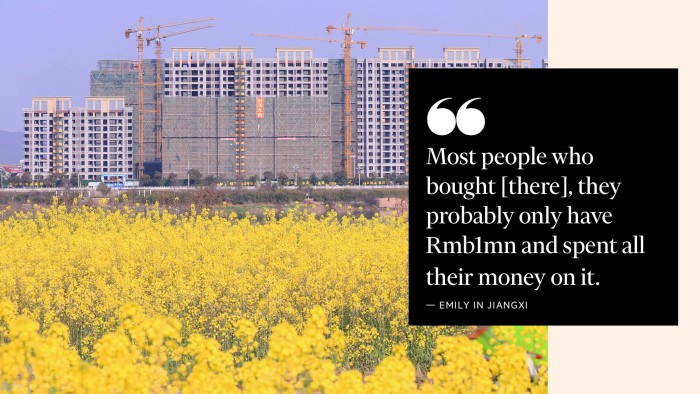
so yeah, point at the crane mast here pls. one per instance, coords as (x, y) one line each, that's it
(347, 43)
(158, 38)
(140, 30)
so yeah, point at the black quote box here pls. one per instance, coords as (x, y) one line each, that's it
(627, 119)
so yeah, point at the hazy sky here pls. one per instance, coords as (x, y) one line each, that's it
(49, 47)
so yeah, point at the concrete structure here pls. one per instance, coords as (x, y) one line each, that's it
(382, 106)
(61, 140)
(199, 133)
(291, 135)
(213, 97)
(201, 72)
(118, 78)
(284, 134)
(381, 114)
(292, 112)
(196, 72)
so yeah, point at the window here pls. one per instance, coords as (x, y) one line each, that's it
(116, 105)
(94, 105)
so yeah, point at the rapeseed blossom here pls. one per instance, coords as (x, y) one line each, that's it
(119, 300)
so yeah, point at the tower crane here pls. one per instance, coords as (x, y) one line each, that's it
(139, 31)
(158, 38)
(518, 41)
(347, 44)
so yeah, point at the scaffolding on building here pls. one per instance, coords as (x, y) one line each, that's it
(337, 96)
(236, 137)
(199, 134)
(290, 135)
(119, 78)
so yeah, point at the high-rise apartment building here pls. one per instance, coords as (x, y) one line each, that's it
(382, 107)
(91, 141)
(379, 92)
(200, 72)
(232, 115)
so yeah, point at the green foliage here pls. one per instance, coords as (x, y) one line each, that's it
(195, 177)
(282, 178)
(172, 180)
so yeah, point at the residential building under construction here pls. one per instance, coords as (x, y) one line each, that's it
(232, 115)
(92, 141)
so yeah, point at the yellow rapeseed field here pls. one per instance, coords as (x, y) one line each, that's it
(139, 299)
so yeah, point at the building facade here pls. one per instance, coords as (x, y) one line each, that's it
(211, 99)
(201, 72)
(61, 140)
(382, 103)
(118, 78)
(288, 112)
(379, 94)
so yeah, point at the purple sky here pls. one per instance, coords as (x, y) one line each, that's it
(49, 47)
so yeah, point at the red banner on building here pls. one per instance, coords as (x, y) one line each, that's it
(259, 107)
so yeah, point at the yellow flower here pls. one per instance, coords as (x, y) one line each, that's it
(115, 300)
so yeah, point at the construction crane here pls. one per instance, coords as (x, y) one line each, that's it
(347, 44)
(139, 31)
(363, 44)
(158, 38)
(518, 41)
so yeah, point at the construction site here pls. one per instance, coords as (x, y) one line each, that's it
(293, 137)
(231, 115)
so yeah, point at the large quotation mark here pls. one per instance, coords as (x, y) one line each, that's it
(469, 121)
